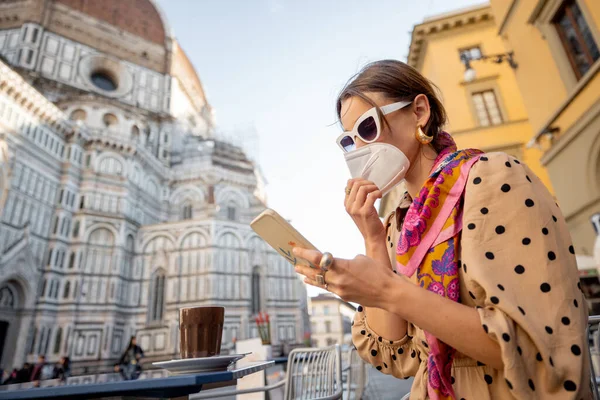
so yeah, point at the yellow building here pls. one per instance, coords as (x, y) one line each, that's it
(556, 44)
(486, 110)
(543, 107)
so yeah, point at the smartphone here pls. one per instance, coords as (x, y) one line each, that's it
(281, 236)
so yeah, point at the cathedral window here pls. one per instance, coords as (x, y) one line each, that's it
(157, 297)
(67, 290)
(186, 212)
(76, 229)
(55, 227)
(231, 213)
(49, 256)
(62, 258)
(129, 253)
(256, 306)
(147, 133)
(57, 340)
(63, 226)
(48, 333)
(103, 81)
(33, 337)
(7, 297)
(110, 166)
(109, 120)
(72, 260)
(135, 133)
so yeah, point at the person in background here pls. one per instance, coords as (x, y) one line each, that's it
(24, 374)
(11, 378)
(129, 363)
(36, 374)
(62, 369)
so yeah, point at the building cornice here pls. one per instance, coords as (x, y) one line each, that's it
(507, 16)
(444, 23)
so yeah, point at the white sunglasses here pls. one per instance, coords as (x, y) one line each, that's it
(367, 127)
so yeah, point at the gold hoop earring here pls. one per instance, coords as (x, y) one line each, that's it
(422, 137)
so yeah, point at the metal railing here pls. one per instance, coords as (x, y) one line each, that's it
(594, 352)
(355, 375)
(311, 374)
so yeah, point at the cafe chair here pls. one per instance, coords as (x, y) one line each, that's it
(312, 374)
(593, 335)
(357, 375)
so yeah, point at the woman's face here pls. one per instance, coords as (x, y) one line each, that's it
(402, 123)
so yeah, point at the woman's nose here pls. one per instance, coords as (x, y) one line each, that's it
(358, 142)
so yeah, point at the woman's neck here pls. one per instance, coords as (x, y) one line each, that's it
(420, 170)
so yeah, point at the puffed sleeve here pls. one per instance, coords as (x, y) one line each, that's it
(521, 271)
(399, 358)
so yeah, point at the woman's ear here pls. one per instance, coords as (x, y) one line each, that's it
(421, 109)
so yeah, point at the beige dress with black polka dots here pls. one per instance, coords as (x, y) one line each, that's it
(518, 269)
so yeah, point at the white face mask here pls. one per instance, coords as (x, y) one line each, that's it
(381, 163)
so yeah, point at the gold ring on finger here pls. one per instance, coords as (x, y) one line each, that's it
(320, 278)
(348, 191)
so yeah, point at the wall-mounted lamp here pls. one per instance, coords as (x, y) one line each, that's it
(548, 134)
(470, 73)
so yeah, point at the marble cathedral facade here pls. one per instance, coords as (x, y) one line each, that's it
(118, 205)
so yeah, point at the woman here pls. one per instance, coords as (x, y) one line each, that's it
(471, 284)
(129, 362)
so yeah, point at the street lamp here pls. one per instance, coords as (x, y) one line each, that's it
(470, 73)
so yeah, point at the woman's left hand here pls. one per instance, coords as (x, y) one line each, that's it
(360, 280)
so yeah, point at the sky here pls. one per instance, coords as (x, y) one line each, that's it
(272, 70)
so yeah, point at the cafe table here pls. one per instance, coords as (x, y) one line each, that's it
(174, 387)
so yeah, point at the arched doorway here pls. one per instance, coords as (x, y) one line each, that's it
(11, 304)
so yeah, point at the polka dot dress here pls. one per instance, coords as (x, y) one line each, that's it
(518, 270)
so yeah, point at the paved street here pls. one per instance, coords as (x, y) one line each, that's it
(385, 387)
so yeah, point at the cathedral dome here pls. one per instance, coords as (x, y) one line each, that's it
(139, 17)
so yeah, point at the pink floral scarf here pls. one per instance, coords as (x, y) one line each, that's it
(428, 244)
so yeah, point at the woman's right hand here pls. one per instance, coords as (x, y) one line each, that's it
(360, 205)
